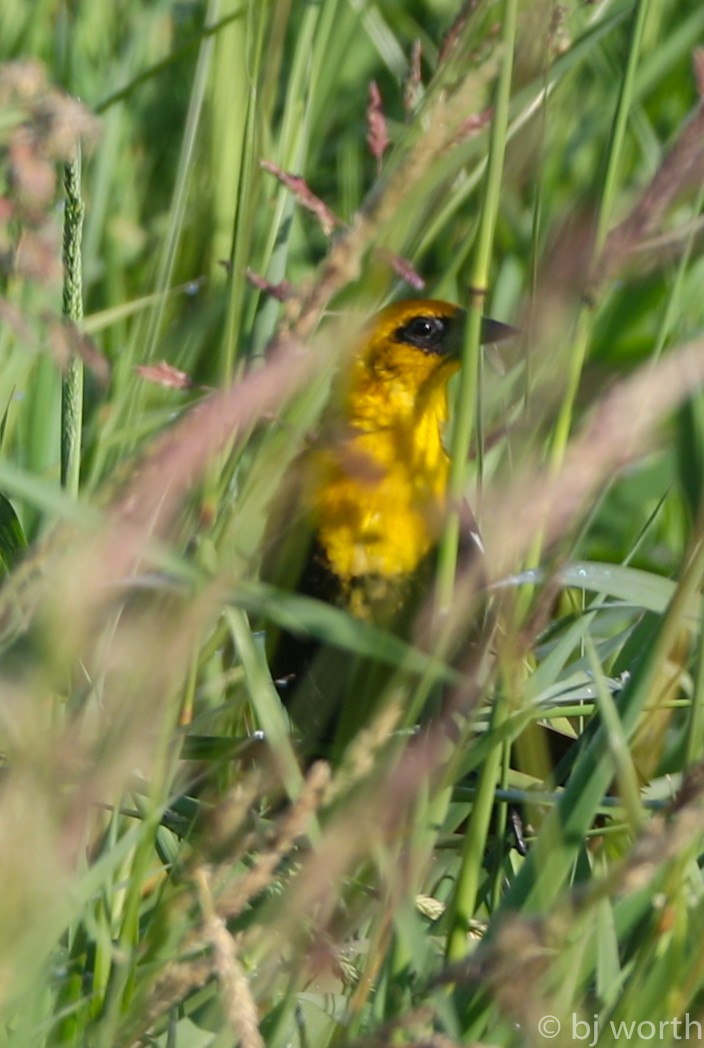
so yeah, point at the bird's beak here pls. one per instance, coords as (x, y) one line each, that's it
(492, 331)
(495, 331)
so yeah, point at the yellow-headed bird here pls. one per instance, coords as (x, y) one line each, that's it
(363, 507)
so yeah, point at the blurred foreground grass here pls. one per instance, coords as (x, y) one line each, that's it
(160, 884)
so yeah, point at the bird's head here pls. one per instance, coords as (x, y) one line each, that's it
(420, 339)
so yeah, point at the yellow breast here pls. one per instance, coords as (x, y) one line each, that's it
(378, 495)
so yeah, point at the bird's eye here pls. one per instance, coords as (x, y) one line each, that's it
(422, 327)
(424, 332)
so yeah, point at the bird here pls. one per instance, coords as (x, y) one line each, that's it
(359, 519)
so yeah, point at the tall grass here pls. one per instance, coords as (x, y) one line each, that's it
(167, 877)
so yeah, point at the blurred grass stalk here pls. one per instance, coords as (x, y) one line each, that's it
(72, 384)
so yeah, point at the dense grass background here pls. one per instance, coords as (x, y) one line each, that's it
(162, 884)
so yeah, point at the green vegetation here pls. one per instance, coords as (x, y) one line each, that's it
(166, 881)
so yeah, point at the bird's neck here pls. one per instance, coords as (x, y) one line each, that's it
(395, 424)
